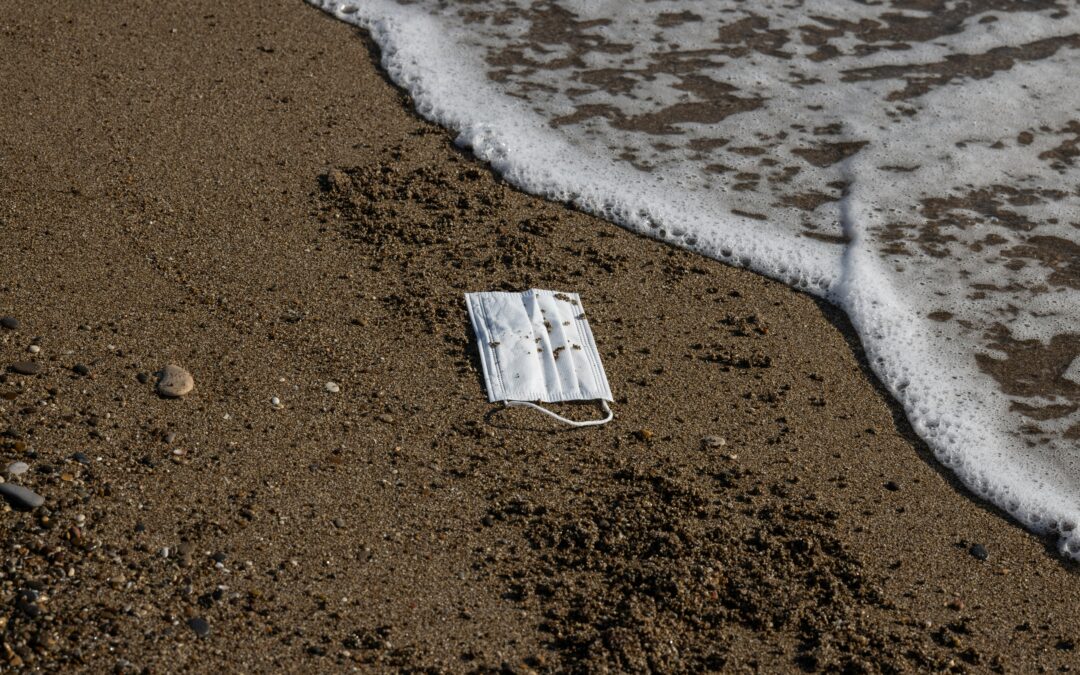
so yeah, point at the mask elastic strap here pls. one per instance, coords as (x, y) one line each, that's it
(588, 423)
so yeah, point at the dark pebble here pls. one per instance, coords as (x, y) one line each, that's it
(26, 368)
(81, 369)
(31, 610)
(9, 322)
(979, 552)
(143, 378)
(892, 486)
(200, 626)
(20, 497)
(81, 458)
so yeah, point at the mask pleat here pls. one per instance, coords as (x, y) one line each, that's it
(537, 311)
(560, 339)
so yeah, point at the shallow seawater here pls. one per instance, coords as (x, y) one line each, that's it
(916, 162)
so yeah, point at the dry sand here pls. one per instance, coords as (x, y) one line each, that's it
(235, 188)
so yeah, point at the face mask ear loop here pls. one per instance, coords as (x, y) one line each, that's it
(589, 423)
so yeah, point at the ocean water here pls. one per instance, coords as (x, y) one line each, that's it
(915, 162)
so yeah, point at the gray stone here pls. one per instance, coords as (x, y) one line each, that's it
(20, 497)
(175, 382)
(26, 368)
(200, 626)
(9, 322)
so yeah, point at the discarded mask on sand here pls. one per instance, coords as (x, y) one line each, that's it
(537, 346)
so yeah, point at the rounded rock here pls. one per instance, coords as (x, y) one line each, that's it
(332, 387)
(175, 382)
(979, 552)
(17, 468)
(199, 626)
(9, 322)
(26, 368)
(20, 497)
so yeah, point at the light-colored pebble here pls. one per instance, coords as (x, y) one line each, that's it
(33, 349)
(17, 468)
(275, 401)
(175, 381)
(332, 387)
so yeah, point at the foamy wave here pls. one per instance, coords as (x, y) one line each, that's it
(921, 169)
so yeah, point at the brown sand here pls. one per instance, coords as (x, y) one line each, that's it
(234, 187)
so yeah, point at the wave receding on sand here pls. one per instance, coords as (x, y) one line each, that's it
(912, 162)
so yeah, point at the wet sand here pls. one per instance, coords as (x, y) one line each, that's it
(235, 188)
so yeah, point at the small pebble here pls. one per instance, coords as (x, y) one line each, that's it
(20, 497)
(200, 625)
(332, 387)
(713, 442)
(979, 552)
(17, 468)
(275, 401)
(33, 349)
(81, 369)
(9, 322)
(28, 608)
(26, 368)
(175, 382)
(81, 458)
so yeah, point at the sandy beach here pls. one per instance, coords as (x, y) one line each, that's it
(236, 188)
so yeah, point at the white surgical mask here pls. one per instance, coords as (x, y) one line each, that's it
(537, 346)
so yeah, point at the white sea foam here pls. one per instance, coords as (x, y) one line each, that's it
(915, 167)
